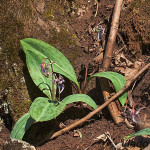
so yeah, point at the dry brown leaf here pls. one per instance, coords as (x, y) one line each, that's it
(99, 57)
(121, 60)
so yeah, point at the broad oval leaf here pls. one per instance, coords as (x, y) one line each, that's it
(118, 81)
(79, 97)
(43, 109)
(36, 51)
(22, 126)
(145, 131)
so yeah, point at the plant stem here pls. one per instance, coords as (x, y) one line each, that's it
(53, 92)
(86, 72)
(59, 93)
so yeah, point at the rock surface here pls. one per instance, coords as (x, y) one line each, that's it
(14, 144)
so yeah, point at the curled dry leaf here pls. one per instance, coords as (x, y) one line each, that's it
(77, 134)
(109, 7)
(130, 72)
(62, 125)
(121, 60)
(102, 137)
(126, 67)
(99, 57)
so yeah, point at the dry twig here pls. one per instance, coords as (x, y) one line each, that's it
(96, 8)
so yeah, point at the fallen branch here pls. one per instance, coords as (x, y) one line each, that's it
(81, 121)
(113, 109)
(112, 34)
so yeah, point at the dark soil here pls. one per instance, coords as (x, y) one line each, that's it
(90, 49)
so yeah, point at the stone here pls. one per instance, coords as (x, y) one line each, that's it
(15, 144)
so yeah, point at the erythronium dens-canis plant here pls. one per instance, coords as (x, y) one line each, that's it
(48, 67)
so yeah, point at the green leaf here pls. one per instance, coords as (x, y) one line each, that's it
(43, 109)
(36, 51)
(118, 81)
(21, 126)
(145, 131)
(79, 97)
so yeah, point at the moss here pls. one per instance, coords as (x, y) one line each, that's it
(63, 40)
(55, 7)
(11, 40)
(49, 14)
(18, 21)
(141, 6)
(12, 28)
(19, 108)
(66, 41)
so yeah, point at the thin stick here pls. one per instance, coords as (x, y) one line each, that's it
(86, 72)
(91, 114)
(96, 8)
(53, 93)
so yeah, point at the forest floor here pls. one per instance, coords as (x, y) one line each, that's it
(92, 48)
